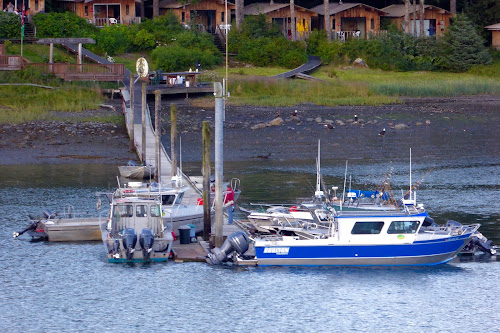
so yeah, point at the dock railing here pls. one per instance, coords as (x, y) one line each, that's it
(83, 72)
(12, 62)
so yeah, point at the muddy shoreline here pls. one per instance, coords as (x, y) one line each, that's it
(248, 134)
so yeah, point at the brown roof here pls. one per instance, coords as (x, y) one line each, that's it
(337, 7)
(174, 4)
(493, 27)
(399, 10)
(266, 7)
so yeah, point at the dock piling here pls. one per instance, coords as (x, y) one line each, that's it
(157, 134)
(219, 115)
(173, 139)
(143, 112)
(206, 181)
(131, 115)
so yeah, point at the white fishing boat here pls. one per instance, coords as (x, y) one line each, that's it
(135, 231)
(134, 171)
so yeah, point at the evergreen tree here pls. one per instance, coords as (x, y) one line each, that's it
(463, 46)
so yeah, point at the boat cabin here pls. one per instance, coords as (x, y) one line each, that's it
(137, 214)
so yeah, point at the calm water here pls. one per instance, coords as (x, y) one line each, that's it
(48, 287)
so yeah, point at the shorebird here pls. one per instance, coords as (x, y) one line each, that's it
(329, 126)
(355, 118)
(294, 114)
(382, 133)
(277, 115)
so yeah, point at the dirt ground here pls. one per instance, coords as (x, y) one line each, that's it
(247, 131)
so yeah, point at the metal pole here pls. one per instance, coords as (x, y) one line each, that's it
(173, 139)
(79, 53)
(143, 109)
(219, 105)
(207, 221)
(157, 133)
(131, 114)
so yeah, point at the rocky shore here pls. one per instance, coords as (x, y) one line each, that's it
(259, 132)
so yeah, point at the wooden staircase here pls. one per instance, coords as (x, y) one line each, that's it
(219, 43)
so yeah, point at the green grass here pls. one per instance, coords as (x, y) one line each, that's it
(130, 59)
(40, 53)
(25, 103)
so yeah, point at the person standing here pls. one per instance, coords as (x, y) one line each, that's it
(229, 204)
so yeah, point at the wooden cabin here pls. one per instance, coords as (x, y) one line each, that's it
(208, 14)
(495, 35)
(103, 12)
(436, 19)
(280, 14)
(350, 19)
(32, 6)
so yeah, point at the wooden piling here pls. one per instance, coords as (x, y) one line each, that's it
(157, 133)
(143, 109)
(207, 220)
(131, 118)
(173, 138)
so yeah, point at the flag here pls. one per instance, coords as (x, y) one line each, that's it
(22, 21)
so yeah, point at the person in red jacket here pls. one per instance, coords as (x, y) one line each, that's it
(229, 204)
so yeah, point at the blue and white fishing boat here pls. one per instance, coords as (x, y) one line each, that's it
(371, 238)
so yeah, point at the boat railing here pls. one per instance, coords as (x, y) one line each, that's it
(452, 231)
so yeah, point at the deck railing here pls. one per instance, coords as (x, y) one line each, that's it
(2, 49)
(83, 72)
(12, 62)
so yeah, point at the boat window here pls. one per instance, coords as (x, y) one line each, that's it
(124, 211)
(362, 228)
(167, 199)
(403, 227)
(179, 198)
(141, 211)
(155, 211)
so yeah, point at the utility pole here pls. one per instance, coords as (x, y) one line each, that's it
(173, 140)
(207, 218)
(219, 116)
(158, 134)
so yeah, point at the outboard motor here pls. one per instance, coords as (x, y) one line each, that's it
(129, 239)
(48, 214)
(237, 241)
(429, 222)
(116, 248)
(32, 226)
(146, 240)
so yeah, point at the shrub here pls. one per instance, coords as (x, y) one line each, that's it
(463, 47)
(115, 39)
(10, 25)
(63, 25)
(144, 40)
(177, 58)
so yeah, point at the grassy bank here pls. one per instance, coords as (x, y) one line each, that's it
(26, 103)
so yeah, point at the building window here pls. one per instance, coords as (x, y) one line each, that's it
(372, 24)
(367, 228)
(86, 9)
(36, 5)
(183, 17)
(222, 16)
(333, 24)
(127, 10)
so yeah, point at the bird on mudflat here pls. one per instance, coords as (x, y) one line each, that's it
(329, 126)
(277, 115)
(355, 118)
(294, 114)
(382, 133)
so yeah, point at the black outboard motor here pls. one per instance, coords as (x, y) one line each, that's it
(32, 226)
(116, 248)
(429, 222)
(129, 240)
(146, 240)
(237, 241)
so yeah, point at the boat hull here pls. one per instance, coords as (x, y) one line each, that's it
(419, 253)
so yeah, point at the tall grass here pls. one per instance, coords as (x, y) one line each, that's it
(26, 103)
(258, 91)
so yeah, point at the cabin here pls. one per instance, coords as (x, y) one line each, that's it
(495, 35)
(436, 19)
(32, 6)
(350, 20)
(280, 14)
(208, 15)
(102, 12)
